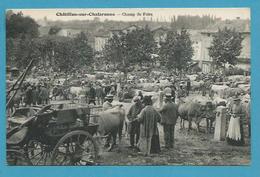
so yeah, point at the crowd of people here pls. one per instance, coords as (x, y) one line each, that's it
(142, 117)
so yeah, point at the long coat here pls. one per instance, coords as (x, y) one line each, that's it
(169, 113)
(148, 119)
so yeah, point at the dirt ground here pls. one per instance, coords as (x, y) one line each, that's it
(191, 148)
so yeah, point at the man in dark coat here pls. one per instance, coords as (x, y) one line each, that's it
(188, 86)
(35, 95)
(44, 94)
(28, 96)
(134, 126)
(169, 114)
(92, 95)
(100, 94)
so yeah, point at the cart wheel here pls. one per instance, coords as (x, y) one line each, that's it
(38, 153)
(75, 148)
(16, 157)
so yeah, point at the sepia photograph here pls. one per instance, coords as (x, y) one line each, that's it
(128, 87)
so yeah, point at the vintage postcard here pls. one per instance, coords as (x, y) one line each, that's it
(121, 86)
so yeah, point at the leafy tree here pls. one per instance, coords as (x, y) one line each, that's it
(176, 51)
(83, 53)
(21, 44)
(225, 47)
(18, 26)
(115, 51)
(63, 55)
(21, 51)
(125, 50)
(140, 46)
(54, 30)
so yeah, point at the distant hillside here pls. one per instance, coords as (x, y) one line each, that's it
(238, 24)
(95, 27)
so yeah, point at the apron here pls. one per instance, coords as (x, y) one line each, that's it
(234, 129)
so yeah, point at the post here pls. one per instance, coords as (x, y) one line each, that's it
(21, 79)
(220, 127)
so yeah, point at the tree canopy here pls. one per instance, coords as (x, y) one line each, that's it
(54, 30)
(225, 47)
(176, 51)
(18, 26)
(126, 49)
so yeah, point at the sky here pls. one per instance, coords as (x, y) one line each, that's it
(133, 14)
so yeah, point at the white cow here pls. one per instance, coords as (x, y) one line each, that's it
(219, 89)
(78, 92)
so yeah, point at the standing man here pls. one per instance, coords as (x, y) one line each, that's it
(44, 94)
(28, 95)
(134, 126)
(92, 95)
(35, 95)
(173, 92)
(169, 113)
(188, 86)
(108, 102)
(99, 94)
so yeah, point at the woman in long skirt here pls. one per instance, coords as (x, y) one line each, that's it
(235, 133)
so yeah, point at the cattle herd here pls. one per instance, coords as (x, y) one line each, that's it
(197, 95)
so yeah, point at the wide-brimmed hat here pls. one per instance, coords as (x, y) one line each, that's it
(109, 96)
(236, 98)
(168, 95)
(136, 98)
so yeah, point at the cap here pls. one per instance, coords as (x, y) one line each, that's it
(136, 98)
(236, 98)
(109, 96)
(168, 95)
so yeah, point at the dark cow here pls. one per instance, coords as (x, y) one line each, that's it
(191, 111)
(194, 111)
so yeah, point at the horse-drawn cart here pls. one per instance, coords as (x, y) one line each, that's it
(57, 134)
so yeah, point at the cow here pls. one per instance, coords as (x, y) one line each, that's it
(219, 89)
(196, 85)
(78, 92)
(193, 111)
(59, 92)
(230, 92)
(111, 124)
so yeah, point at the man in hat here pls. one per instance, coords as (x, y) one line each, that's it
(188, 86)
(92, 95)
(44, 94)
(99, 94)
(134, 126)
(169, 114)
(148, 119)
(28, 95)
(108, 102)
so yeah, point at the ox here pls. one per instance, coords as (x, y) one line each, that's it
(219, 89)
(190, 111)
(111, 124)
(194, 111)
(196, 85)
(79, 92)
(230, 92)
